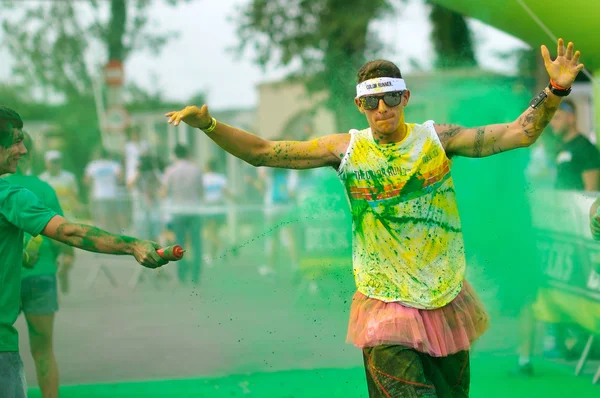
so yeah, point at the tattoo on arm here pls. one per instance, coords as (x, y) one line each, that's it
(534, 121)
(449, 133)
(478, 146)
(94, 239)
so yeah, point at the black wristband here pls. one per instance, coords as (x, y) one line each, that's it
(559, 92)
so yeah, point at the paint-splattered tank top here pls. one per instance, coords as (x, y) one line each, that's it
(407, 240)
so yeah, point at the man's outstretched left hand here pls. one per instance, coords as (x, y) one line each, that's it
(565, 67)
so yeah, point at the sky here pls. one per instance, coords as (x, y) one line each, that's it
(199, 60)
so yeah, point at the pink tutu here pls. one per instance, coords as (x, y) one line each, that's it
(439, 332)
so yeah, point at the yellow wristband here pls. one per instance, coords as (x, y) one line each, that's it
(212, 126)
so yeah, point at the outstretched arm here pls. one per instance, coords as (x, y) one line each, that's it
(324, 151)
(489, 140)
(496, 138)
(97, 240)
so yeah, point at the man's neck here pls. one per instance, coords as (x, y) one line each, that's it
(396, 136)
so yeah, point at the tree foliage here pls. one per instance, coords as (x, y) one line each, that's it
(326, 40)
(58, 45)
(452, 39)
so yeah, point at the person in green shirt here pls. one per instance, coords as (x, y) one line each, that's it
(21, 211)
(39, 296)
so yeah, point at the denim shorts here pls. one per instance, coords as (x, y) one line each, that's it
(12, 376)
(39, 295)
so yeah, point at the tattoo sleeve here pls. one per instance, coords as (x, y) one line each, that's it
(495, 138)
(450, 132)
(534, 121)
(478, 146)
(94, 239)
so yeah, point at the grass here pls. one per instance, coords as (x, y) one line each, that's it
(490, 379)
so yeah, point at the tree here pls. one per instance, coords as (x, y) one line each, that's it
(328, 39)
(451, 37)
(198, 99)
(28, 107)
(52, 43)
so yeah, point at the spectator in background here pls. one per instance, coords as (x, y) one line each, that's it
(215, 195)
(279, 190)
(253, 193)
(145, 181)
(134, 148)
(182, 184)
(123, 213)
(63, 182)
(103, 175)
(39, 297)
(541, 169)
(577, 159)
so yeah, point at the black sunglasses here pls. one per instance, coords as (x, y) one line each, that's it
(371, 102)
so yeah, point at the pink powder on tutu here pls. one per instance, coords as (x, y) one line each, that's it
(439, 333)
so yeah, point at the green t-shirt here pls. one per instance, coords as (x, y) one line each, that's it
(46, 264)
(20, 210)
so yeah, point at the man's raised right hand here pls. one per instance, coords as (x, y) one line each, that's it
(192, 115)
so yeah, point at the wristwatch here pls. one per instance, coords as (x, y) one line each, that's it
(558, 90)
(554, 89)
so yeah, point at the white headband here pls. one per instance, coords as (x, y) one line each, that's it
(380, 85)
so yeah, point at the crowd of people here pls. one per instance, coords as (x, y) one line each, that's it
(128, 193)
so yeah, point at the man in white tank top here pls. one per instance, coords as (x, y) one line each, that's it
(413, 314)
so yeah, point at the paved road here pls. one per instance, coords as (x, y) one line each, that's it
(235, 322)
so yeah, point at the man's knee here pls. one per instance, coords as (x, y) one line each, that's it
(41, 351)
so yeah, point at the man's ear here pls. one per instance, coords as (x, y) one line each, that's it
(405, 97)
(357, 103)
